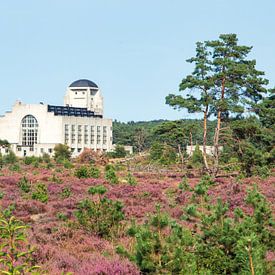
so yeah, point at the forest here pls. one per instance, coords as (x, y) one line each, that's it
(159, 210)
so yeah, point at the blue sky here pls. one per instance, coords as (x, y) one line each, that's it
(134, 50)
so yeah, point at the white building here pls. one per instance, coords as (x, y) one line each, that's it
(209, 149)
(34, 129)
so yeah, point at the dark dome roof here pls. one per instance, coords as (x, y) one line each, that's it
(83, 83)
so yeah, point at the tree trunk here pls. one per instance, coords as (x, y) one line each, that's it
(217, 134)
(205, 138)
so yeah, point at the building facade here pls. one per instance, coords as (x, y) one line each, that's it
(35, 129)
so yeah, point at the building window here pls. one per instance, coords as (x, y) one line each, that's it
(29, 127)
(104, 135)
(79, 134)
(66, 133)
(86, 135)
(73, 134)
(42, 150)
(50, 150)
(92, 134)
(98, 134)
(78, 150)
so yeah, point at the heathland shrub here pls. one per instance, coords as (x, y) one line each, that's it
(101, 217)
(62, 152)
(110, 174)
(87, 172)
(24, 184)
(66, 192)
(131, 180)
(15, 255)
(40, 193)
(161, 246)
(10, 158)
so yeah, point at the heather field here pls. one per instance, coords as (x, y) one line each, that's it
(49, 199)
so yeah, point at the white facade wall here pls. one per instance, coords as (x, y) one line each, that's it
(54, 129)
(93, 133)
(209, 149)
(84, 97)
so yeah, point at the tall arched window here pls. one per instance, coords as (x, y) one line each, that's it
(29, 127)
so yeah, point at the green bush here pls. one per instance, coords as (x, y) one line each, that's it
(24, 185)
(62, 152)
(131, 179)
(10, 158)
(40, 193)
(87, 172)
(82, 172)
(1, 161)
(197, 158)
(119, 152)
(66, 192)
(163, 154)
(110, 174)
(101, 217)
(99, 189)
(16, 256)
(15, 167)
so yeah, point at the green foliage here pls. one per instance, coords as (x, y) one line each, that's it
(62, 152)
(82, 172)
(33, 160)
(10, 158)
(161, 246)
(119, 152)
(2, 194)
(24, 184)
(15, 256)
(131, 180)
(66, 192)
(15, 167)
(184, 185)
(197, 158)
(99, 189)
(1, 161)
(61, 216)
(94, 172)
(67, 164)
(100, 217)
(46, 158)
(40, 193)
(110, 174)
(163, 154)
(87, 172)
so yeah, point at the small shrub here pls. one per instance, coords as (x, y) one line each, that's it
(110, 174)
(62, 152)
(10, 158)
(99, 189)
(82, 172)
(40, 193)
(16, 256)
(131, 179)
(15, 167)
(67, 164)
(24, 185)
(101, 217)
(1, 195)
(94, 172)
(61, 216)
(66, 192)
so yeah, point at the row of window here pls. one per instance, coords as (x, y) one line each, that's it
(85, 133)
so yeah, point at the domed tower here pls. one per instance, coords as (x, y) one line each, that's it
(84, 93)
